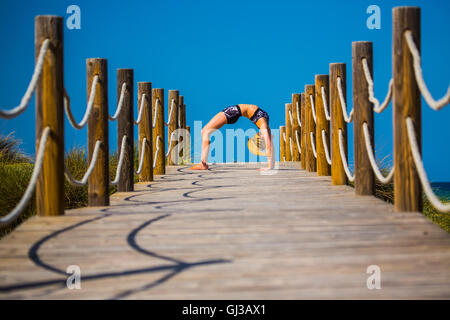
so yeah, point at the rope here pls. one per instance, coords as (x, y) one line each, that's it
(313, 146)
(290, 143)
(141, 108)
(376, 104)
(170, 143)
(325, 146)
(284, 137)
(87, 114)
(313, 107)
(156, 113)
(298, 143)
(325, 105)
(8, 114)
(119, 106)
(373, 163)
(170, 112)
(10, 217)
(421, 170)
(156, 151)
(141, 162)
(291, 119)
(82, 182)
(434, 104)
(119, 165)
(347, 118)
(298, 115)
(350, 177)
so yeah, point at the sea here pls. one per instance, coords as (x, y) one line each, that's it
(442, 189)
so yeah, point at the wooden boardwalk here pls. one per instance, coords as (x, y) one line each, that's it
(229, 233)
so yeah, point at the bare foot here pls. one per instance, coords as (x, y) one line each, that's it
(199, 166)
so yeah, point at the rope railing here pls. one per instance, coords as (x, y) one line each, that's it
(291, 118)
(18, 209)
(290, 145)
(325, 147)
(373, 163)
(88, 112)
(156, 151)
(298, 115)
(120, 104)
(53, 99)
(156, 113)
(298, 142)
(421, 170)
(377, 107)
(169, 145)
(141, 109)
(8, 114)
(434, 104)
(170, 113)
(313, 108)
(84, 180)
(350, 177)
(142, 156)
(347, 117)
(313, 146)
(284, 137)
(325, 105)
(120, 163)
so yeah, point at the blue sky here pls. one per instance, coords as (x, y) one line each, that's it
(219, 53)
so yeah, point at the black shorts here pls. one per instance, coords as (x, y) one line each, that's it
(232, 113)
(259, 113)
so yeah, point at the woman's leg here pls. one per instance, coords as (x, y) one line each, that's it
(215, 123)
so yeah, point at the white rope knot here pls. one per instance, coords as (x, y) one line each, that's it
(156, 151)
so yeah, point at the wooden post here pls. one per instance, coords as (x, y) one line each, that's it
(288, 130)
(98, 182)
(158, 132)
(125, 127)
(363, 113)
(407, 188)
(311, 162)
(188, 146)
(282, 143)
(145, 130)
(296, 127)
(338, 176)
(50, 112)
(173, 124)
(322, 124)
(181, 125)
(303, 131)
